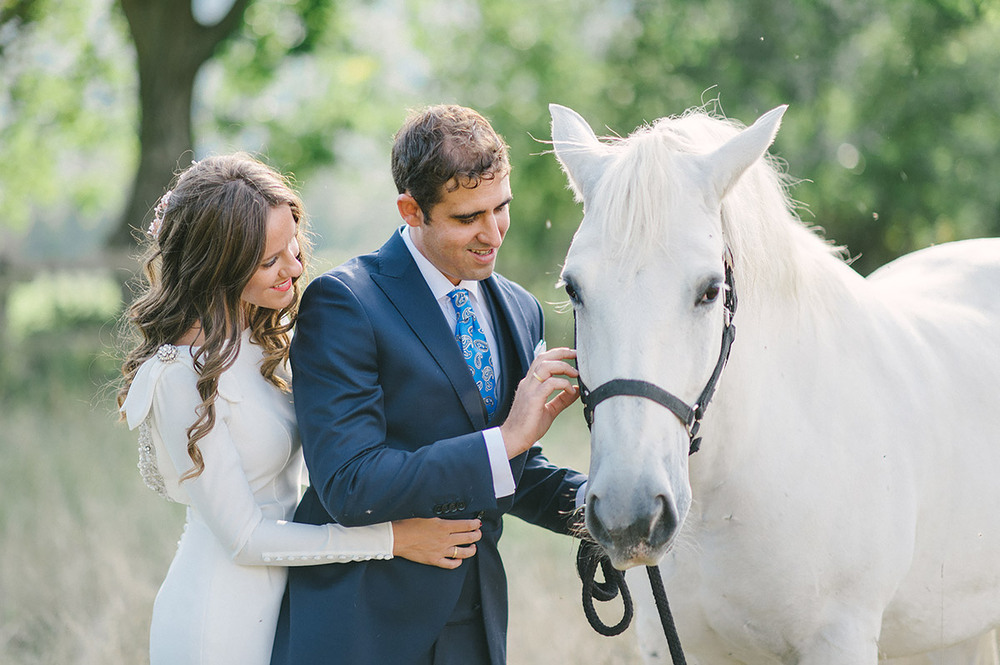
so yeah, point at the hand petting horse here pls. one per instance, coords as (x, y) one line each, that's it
(845, 503)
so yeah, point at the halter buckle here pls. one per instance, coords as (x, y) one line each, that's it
(694, 424)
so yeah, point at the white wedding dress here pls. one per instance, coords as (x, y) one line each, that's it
(219, 602)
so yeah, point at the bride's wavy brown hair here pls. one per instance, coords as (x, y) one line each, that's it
(209, 244)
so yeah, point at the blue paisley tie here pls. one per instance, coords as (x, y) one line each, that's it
(475, 349)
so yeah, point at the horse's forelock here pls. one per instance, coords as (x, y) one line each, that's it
(641, 183)
(630, 201)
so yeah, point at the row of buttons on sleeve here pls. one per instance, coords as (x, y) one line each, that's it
(270, 558)
(447, 508)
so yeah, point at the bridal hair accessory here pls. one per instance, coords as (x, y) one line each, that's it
(158, 212)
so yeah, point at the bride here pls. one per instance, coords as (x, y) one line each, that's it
(206, 384)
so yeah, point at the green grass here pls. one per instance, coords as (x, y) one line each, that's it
(84, 545)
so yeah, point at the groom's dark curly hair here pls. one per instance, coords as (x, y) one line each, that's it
(444, 147)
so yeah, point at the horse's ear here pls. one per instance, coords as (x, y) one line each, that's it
(577, 148)
(728, 163)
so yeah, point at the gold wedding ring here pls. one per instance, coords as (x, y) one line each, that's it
(455, 555)
(540, 380)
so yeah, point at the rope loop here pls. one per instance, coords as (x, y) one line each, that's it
(589, 557)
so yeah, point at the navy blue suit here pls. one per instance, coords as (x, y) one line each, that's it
(391, 426)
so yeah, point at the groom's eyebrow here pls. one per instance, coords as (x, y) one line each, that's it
(472, 215)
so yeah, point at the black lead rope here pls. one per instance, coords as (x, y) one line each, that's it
(666, 618)
(591, 556)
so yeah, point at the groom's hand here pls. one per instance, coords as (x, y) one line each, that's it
(533, 411)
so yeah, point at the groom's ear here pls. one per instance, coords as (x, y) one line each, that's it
(409, 209)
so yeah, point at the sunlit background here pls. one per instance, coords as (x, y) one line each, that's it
(892, 131)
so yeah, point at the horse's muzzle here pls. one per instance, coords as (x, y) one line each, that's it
(642, 540)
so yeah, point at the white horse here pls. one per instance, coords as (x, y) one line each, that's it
(845, 504)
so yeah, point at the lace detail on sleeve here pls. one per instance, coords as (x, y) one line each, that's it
(148, 469)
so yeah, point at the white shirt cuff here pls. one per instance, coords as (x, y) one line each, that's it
(581, 495)
(503, 477)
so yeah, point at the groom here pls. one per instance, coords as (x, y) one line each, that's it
(398, 420)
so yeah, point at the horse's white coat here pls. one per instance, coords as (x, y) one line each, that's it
(845, 505)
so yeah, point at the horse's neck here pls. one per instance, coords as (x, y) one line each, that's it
(795, 287)
(794, 295)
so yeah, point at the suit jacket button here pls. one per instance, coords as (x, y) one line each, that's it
(438, 509)
(460, 506)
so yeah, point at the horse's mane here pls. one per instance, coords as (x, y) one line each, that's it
(768, 241)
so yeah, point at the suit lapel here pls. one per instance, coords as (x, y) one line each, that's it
(400, 280)
(508, 313)
(514, 337)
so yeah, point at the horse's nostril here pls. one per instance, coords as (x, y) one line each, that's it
(598, 531)
(664, 525)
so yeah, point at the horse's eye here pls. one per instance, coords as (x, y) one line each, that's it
(571, 292)
(710, 295)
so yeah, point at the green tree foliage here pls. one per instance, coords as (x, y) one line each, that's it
(510, 60)
(66, 102)
(99, 94)
(892, 120)
(295, 77)
(892, 117)
(171, 46)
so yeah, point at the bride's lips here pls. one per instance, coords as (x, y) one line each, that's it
(284, 286)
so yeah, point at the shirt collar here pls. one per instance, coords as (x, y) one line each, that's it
(440, 285)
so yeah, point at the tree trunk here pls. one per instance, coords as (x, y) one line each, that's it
(171, 47)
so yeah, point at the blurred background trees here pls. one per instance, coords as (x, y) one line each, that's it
(171, 45)
(892, 120)
(892, 124)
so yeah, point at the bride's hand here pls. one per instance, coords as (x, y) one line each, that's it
(435, 542)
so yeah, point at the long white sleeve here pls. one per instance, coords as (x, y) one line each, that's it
(252, 466)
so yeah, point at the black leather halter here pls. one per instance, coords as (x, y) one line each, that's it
(690, 416)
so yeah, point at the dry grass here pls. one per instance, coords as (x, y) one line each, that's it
(547, 624)
(84, 546)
